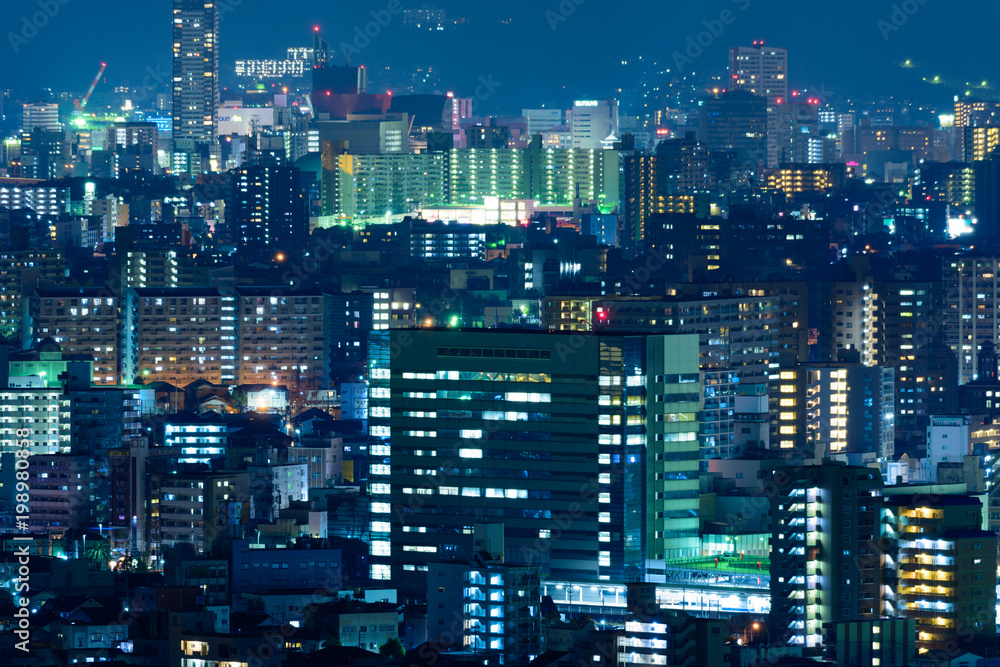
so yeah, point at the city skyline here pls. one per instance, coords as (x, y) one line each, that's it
(858, 52)
(477, 336)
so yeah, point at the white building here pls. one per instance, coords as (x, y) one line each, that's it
(542, 120)
(592, 122)
(239, 120)
(200, 440)
(44, 413)
(43, 200)
(44, 116)
(948, 440)
(291, 484)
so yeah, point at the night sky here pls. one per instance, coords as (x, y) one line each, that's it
(838, 45)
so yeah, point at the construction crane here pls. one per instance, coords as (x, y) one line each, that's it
(82, 104)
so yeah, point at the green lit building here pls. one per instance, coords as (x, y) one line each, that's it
(393, 184)
(559, 174)
(585, 447)
(373, 186)
(48, 363)
(475, 173)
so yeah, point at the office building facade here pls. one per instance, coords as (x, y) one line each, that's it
(523, 428)
(267, 208)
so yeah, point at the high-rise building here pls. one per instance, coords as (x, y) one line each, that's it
(372, 186)
(501, 600)
(499, 172)
(594, 123)
(195, 85)
(269, 318)
(40, 116)
(851, 412)
(971, 301)
(985, 177)
(792, 298)
(42, 411)
(943, 568)
(525, 428)
(952, 183)
(979, 142)
(20, 272)
(798, 140)
(976, 113)
(717, 419)
(812, 178)
(848, 321)
(43, 200)
(559, 175)
(267, 208)
(826, 564)
(888, 642)
(45, 154)
(911, 341)
(136, 144)
(542, 120)
(737, 334)
(82, 321)
(839, 411)
(179, 335)
(446, 242)
(684, 166)
(763, 71)
(736, 121)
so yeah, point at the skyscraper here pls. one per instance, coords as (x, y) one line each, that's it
(196, 85)
(267, 208)
(736, 121)
(763, 71)
(593, 122)
(45, 116)
(523, 428)
(825, 562)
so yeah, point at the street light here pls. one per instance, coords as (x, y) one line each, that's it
(755, 626)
